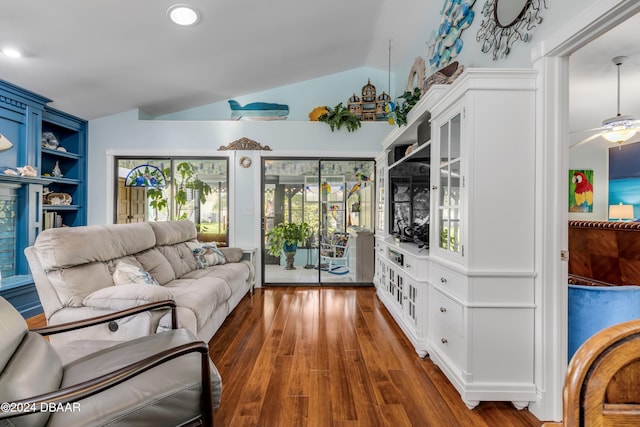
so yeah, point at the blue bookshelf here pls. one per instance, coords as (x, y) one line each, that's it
(24, 118)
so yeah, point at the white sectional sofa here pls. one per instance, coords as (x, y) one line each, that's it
(73, 269)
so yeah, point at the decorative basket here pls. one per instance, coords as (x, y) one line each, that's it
(58, 198)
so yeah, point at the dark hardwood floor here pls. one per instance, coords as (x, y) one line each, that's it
(300, 356)
(292, 356)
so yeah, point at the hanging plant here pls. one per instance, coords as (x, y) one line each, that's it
(397, 111)
(338, 116)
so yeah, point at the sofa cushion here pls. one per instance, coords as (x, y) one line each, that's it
(236, 275)
(126, 296)
(201, 295)
(164, 395)
(73, 284)
(126, 273)
(156, 264)
(179, 257)
(70, 246)
(172, 232)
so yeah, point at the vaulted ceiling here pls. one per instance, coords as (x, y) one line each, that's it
(100, 57)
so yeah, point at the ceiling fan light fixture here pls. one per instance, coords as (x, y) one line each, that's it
(619, 129)
(183, 14)
(619, 134)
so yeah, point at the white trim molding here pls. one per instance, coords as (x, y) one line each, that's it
(551, 58)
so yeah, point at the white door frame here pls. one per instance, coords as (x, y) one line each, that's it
(551, 58)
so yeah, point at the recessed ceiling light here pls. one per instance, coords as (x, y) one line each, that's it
(12, 52)
(183, 14)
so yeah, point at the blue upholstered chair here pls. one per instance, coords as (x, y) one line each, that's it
(594, 308)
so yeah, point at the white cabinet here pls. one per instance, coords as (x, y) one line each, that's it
(403, 289)
(482, 281)
(474, 302)
(484, 137)
(481, 333)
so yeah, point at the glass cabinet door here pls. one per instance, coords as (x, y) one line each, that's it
(449, 232)
(380, 211)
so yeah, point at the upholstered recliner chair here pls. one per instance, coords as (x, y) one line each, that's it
(165, 379)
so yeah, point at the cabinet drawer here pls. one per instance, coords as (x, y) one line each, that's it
(448, 342)
(446, 311)
(416, 267)
(449, 280)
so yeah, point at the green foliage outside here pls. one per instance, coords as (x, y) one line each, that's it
(184, 181)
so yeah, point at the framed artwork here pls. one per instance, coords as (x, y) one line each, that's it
(580, 190)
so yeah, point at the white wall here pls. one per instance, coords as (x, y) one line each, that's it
(301, 97)
(554, 17)
(125, 134)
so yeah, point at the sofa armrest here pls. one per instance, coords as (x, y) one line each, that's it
(232, 254)
(72, 326)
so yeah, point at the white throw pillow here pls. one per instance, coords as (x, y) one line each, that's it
(127, 273)
(207, 254)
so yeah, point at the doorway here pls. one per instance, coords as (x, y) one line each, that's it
(335, 199)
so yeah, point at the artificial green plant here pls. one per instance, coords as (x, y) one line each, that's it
(338, 116)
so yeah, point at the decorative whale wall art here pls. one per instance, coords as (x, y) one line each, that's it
(258, 111)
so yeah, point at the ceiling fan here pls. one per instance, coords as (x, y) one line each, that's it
(614, 129)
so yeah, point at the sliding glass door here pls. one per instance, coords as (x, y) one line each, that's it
(334, 200)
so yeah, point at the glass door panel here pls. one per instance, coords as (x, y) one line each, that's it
(336, 198)
(289, 198)
(450, 185)
(346, 221)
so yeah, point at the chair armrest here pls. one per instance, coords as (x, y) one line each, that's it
(78, 324)
(104, 382)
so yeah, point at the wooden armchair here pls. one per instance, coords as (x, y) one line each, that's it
(602, 387)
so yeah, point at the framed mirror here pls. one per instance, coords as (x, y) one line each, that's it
(507, 12)
(505, 22)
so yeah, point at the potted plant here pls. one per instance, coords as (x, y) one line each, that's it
(284, 238)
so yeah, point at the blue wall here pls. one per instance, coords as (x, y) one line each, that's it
(624, 176)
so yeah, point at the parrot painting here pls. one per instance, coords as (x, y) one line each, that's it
(583, 192)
